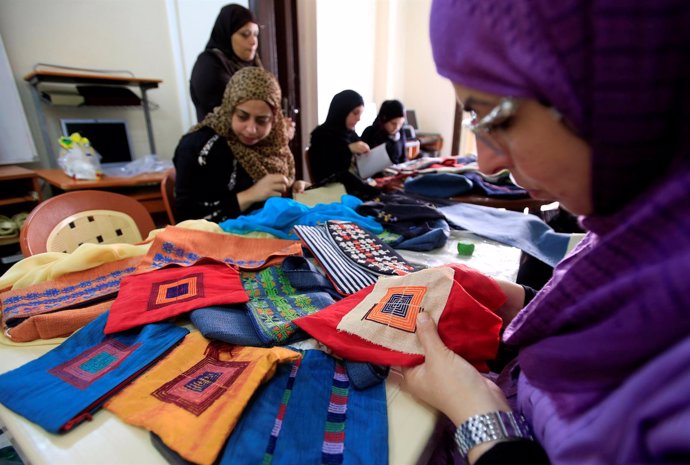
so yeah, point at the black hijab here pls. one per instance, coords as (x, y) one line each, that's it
(230, 19)
(341, 106)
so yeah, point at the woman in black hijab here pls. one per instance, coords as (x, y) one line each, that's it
(387, 129)
(334, 142)
(232, 46)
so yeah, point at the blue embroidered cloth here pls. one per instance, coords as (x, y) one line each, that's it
(309, 413)
(279, 215)
(68, 384)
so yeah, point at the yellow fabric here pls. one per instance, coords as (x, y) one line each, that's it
(196, 437)
(51, 265)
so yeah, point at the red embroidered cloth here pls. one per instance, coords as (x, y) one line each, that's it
(171, 291)
(468, 324)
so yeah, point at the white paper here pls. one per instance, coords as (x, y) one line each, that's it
(373, 161)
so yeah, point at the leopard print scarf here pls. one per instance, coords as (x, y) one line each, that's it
(270, 155)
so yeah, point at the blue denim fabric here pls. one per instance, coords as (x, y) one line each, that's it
(304, 276)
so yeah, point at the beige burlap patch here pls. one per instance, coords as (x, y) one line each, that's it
(388, 315)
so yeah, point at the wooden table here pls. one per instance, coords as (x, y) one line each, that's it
(146, 188)
(532, 205)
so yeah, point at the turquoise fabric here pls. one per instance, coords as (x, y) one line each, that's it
(279, 215)
(66, 385)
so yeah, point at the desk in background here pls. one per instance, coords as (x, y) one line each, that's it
(533, 206)
(146, 188)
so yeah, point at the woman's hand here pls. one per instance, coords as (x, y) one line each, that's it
(298, 187)
(271, 185)
(447, 382)
(358, 147)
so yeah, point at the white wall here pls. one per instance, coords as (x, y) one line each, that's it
(102, 34)
(381, 50)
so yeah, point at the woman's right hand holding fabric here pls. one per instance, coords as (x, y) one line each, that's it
(271, 185)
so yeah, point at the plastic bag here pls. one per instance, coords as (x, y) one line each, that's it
(146, 164)
(78, 159)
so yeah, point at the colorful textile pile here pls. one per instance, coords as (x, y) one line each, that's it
(352, 257)
(70, 383)
(265, 320)
(194, 397)
(58, 308)
(171, 291)
(309, 413)
(186, 246)
(383, 320)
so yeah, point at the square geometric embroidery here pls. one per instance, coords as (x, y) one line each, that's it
(398, 308)
(176, 291)
(199, 387)
(86, 368)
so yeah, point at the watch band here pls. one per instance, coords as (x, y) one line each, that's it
(490, 427)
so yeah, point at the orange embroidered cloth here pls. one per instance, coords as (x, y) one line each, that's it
(194, 397)
(73, 291)
(186, 246)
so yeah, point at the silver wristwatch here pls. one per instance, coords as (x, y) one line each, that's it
(490, 427)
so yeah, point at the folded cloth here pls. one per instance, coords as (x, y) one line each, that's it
(67, 385)
(304, 276)
(441, 185)
(57, 324)
(499, 186)
(171, 291)
(265, 320)
(352, 257)
(466, 320)
(68, 291)
(186, 246)
(193, 398)
(279, 215)
(526, 232)
(309, 413)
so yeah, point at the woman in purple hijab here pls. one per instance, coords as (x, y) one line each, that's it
(587, 103)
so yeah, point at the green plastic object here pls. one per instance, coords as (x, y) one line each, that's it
(465, 248)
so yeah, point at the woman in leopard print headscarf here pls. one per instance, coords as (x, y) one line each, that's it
(238, 156)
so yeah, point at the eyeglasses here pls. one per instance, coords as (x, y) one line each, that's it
(498, 118)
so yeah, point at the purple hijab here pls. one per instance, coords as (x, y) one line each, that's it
(605, 346)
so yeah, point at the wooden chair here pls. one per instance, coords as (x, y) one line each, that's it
(64, 222)
(168, 194)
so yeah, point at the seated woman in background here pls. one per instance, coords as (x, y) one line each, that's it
(238, 156)
(232, 46)
(335, 141)
(387, 129)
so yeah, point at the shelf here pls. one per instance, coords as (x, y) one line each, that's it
(96, 83)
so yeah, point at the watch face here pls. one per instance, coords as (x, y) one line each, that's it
(366, 250)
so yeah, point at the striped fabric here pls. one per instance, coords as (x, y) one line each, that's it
(275, 432)
(347, 277)
(334, 435)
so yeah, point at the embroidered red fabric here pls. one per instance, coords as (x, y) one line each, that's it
(468, 325)
(171, 291)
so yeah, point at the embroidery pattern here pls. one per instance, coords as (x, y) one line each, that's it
(31, 303)
(94, 363)
(333, 447)
(366, 250)
(173, 254)
(277, 425)
(174, 291)
(198, 388)
(398, 308)
(274, 303)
